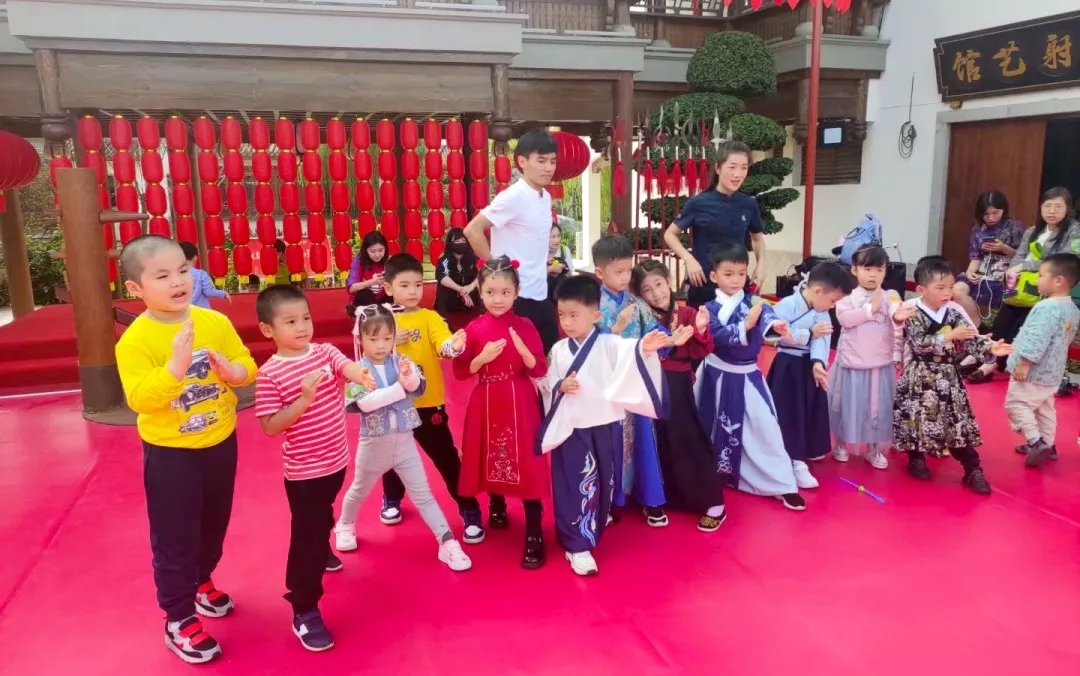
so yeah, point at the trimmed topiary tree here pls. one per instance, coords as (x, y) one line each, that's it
(728, 67)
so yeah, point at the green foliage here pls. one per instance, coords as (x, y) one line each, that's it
(46, 272)
(733, 63)
(760, 133)
(682, 113)
(759, 183)
(777, 166)
(774, 200)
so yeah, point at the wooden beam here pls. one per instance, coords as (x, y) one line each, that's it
(13, 234)
(622, 206)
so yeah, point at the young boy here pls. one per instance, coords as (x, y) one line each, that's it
(604, 377)
(424, 338)
(1040, 353)
(736, 408)
(179, 365)
(625, 315)
(300, 391)
(931, 411)
(798, 378)
(204, 288)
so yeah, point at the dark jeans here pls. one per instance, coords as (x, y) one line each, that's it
(542, 314)
(311, 503)
(189, 496)
(435, 439)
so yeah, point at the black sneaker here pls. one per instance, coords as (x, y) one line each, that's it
(497, 519)
(916, 467)
(474, 532)
(211, 601)
(311, 631)
(792, 501)
(333, 563)
(1023, 449)
(190, 642)
(1037, 453)
(655, 517)
(710, 524)
(976, 481)
(535, 553)
(390, 514)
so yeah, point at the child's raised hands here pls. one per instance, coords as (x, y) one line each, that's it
(570, 384)
(701, 320)
(1000, 348)
(781, 328)
(492, 350)
(182, 345)
(519, 344)
(964, 332)
(903, 313)
(753, 316)
(655, 340)
(309, 386)
(821, 329)
(406, 368)
(457, 342)
(681, 336)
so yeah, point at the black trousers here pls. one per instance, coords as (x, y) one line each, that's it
(311, 503)
(968, 457)
(437, 442)
(542, 314)
(534, 513)
(1007, 324)
(189, 496)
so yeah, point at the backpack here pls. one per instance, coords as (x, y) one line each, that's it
(868, 231)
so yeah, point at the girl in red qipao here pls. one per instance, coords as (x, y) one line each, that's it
(498, 451)
(687, 459)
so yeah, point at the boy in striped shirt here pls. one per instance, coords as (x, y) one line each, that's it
(300, 391)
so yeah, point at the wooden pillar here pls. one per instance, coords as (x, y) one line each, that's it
(501, 123)
(16, 259)
(622, 17)
(622, 207)
(196, 194)
(89, 286)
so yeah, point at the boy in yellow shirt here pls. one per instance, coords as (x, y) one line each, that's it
(179, 365)
(424, 338)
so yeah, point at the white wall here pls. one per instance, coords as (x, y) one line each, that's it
(894, 189)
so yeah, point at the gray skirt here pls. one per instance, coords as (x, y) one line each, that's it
(861, 404)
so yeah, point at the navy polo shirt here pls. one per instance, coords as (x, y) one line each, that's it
(713, 217)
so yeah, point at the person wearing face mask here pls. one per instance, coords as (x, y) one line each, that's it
(456, 275)
(719, 215)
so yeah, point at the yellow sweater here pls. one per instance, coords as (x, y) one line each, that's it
(424, 348)
(196, 412)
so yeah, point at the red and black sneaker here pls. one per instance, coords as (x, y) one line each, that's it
(190, 642)
(211, 601)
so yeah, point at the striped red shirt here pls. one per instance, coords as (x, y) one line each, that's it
(315, 445)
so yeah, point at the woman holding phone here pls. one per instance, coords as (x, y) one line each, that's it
(995, 237)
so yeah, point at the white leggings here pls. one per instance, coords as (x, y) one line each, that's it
(396, 451)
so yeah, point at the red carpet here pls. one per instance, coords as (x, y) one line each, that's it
(934, 581)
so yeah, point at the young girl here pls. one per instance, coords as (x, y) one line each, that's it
(560, 262)
(387, 418)
(503, 417)
(687, 461)
(456, 275)
(862, 380)
(365, 280)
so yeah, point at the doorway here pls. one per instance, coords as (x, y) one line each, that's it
(1061, 163)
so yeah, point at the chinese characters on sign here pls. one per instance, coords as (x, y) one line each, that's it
(1020, 57)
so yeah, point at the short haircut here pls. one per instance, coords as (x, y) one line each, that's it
(579, 288)
(191, 252)
(134, 254)
(538, 142)
(649, 266)
(500, 266)
(931, 268)
(870, 256)
(1065, 265)
(374, 317)
(729, 252)
(831, 277)
(273, 297)
(612, 248)
(399, 263)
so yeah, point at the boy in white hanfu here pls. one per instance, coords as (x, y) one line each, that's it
(594, 379)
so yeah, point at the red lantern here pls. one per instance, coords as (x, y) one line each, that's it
(215, 231)
(316, 228)
(454, 135)
(389, 226)
(478, 135)
(342, 227)
(291, 229)
(210, 195)
(436, 225)
(384, 134)
(455, 170)
(339, 196)
(433, 165)
(241, 258)
(259, 134)
(260, 166)
(414, 225)
(415, 248)
(572, 159)
(362, 165)
(314, 198)
(502, 173)
(457, 195)
(435, 250)
(361, 135)
(127, 196)
(317, 258)
(268, 261)
(410, 195)
(239, 231)
(294, 261)
(339, 191)
(434, 195)
(217, 263)
(387, 168)
(176, 139)
(365, 196)
(388, 196)
(366, 223)
(284, 135)
(266, 230)
(479, 195)
(186, 230)
(343, 255)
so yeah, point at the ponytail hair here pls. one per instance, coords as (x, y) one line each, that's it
(726, 150)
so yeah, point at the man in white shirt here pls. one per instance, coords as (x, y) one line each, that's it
(520, 222)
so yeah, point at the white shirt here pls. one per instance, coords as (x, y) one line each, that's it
(521, 224)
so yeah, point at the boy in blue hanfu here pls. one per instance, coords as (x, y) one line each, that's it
(735, 405)
(623, 314)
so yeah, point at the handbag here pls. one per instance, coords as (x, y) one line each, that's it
(1026, 292)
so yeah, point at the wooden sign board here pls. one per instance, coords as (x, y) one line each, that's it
(1017, 58)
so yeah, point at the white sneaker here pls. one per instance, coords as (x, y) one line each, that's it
(840, 454)
(582, 563)
(345, 537)
(803, 477)
(450, 553)
(877, 459)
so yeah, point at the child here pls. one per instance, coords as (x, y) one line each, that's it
(592, 381)
(204, 288)
(624, 315)
(422, 338)
(798, 378)
(387, 418)
(1040, 353)
(502, 420)
(862, 380)
(178, 365)
(365, 280)
(560, 262)
(931, 410)
(687, 462)
(299, 393)
(736, 408)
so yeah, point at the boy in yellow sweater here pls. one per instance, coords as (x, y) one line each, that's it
(179, 365)
(424, 338)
